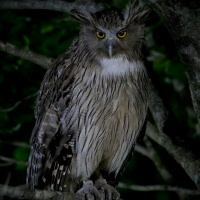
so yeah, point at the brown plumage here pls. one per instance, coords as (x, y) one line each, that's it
(91, 106)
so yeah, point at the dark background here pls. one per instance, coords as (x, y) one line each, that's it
(50, 33)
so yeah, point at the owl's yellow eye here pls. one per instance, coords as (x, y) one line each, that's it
(100, 34)
(121, 34)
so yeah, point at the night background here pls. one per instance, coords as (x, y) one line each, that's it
(50, 33)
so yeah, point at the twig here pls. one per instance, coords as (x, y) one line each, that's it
(8, 179)
(62, 6)
(26, 54)
(186, 159)
(15, 143)
(17, 103)
(149, 188)
(17, 192)
(154, 155)
(142, 150)
(12, 161)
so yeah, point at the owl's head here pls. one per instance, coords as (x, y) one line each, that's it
(111, 32)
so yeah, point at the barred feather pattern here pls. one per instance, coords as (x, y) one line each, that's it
(88, 117)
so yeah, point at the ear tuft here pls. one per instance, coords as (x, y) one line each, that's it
(81, 16)
(135, 14)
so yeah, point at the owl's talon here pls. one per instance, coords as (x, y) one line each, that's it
(89, 191)
(110, 191)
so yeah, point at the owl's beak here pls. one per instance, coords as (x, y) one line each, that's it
(110, 47)
(110, 50)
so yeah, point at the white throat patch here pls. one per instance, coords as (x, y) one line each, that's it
(117, 66)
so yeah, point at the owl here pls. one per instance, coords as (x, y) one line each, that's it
(91, 106)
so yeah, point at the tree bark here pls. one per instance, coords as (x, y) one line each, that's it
(40, 60)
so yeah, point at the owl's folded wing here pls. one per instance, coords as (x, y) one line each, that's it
(50, 150)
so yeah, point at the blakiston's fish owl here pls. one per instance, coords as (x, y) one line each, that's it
(91, 106)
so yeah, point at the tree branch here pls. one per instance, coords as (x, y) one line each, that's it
(153, 156)
(149, 188)
(26, 54)
(60, 5)
(188, 161)
(17, 103)
(25, 193)
(157, 161)
(15, 143)
(12, 161)
(19, 193)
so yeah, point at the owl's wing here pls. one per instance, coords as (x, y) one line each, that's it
(51, 152)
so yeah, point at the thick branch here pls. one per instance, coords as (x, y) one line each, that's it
(19, 193)
(62, 6)
(24, 193)
(26, 54)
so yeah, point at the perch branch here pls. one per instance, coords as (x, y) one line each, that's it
(26, 54)
(19, 193)
(61, 6)
(25, 193)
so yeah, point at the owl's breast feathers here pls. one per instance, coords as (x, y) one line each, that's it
(87, 120)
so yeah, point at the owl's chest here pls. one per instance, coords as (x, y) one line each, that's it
(113, 90)
(107, 106)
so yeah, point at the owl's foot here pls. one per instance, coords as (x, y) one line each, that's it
(110, 191)
(90, 191)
